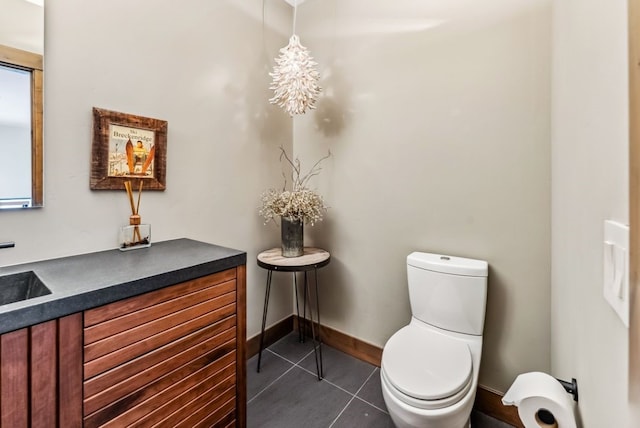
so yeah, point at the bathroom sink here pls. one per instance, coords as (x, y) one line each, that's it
(21, 286)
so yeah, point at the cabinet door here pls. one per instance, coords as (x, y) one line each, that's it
(168, 357)
(41, 375)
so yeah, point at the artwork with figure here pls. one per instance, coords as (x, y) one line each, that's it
(126, 146)
(131, 152)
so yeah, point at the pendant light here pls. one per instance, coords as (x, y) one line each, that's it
(295, 77)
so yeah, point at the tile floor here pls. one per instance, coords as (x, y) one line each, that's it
(286, 393)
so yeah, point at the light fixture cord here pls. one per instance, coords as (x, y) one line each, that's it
(264, 37)
(264, 41)
(295, 13)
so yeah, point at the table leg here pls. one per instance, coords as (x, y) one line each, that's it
(304, 308)
(316, 348)
(264, 316)
(295, 286)
(315, 270)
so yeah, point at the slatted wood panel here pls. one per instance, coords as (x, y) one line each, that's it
(43, 356)
(14, 376)
(70, 369)
(241, 340)
(166, 357)
(126, 306)
(41, 375)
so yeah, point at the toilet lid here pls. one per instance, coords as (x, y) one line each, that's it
(426, 365)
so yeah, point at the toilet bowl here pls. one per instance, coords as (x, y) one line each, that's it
(429, 370)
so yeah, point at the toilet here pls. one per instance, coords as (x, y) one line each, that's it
(429, 370)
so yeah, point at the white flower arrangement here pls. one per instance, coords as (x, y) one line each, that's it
(298, 204)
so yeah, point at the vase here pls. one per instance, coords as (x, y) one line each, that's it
(291, 237)
(133, 237)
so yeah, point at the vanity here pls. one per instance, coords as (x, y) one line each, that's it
(137, 338)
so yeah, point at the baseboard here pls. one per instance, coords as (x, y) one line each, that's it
(349, 345)
(271, 335)
(487, 401)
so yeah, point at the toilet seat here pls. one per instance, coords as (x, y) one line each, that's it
(426, 369)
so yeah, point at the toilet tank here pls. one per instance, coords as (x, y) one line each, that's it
(448, 292)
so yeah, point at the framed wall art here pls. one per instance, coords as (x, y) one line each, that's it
(127, 147)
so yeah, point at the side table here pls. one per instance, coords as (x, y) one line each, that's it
(311, 260)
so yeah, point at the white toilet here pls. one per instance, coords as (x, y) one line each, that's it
(429, 369)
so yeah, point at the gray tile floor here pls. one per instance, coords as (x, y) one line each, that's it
(286, 393)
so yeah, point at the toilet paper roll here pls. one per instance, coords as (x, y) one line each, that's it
(542, 401)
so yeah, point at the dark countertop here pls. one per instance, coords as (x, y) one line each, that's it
(85, 281)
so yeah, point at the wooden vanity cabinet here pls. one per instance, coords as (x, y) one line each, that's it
(173, 357)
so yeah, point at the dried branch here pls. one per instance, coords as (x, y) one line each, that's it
(315, 170)
(299, 203)
(298, 182)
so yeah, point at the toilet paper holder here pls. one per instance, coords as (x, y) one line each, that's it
(570, 387)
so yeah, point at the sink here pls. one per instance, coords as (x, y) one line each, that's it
(21, 286)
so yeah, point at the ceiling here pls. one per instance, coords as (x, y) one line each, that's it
(294, 2)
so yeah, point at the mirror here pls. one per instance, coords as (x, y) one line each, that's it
(21, 103)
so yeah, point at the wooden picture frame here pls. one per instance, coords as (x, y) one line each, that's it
(126, 147)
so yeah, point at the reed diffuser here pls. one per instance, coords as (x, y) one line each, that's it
(135, 235)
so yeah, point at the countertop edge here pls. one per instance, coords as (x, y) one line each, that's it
(66, 302)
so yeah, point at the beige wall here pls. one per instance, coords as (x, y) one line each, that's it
(21, 25)
(440, 140)
(201, 68)
(590, 184)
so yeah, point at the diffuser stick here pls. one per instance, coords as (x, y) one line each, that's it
(139, 196)
(135, 235)
(127, 186)
(134, 219)
(136, 230)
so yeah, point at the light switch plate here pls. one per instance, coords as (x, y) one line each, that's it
(616, 268)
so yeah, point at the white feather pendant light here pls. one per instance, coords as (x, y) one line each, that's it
(295, 77)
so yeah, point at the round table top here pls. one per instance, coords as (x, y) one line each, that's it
(312, 258)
